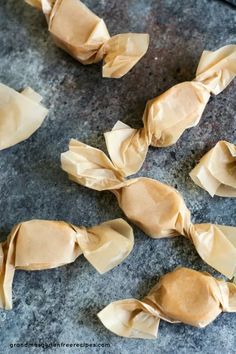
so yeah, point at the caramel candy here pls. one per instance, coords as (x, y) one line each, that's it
(158, 209)
(184, 295)
(82, 34)
(216, 171)
(45, 244)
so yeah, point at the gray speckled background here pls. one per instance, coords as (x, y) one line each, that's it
(60, 305)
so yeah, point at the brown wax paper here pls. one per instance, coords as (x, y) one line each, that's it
(167, 116)
(184, 295)
(21, 114)
(216, 171)
(84, 35)
(158, 209)
(43, 244)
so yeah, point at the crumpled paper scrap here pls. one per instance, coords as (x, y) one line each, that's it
(44, 244)
(82, 34)
(216, 171)
(158, 209)
(184, 295)
(21, 114)
(167, 116)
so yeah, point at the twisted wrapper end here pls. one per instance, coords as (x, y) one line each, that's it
(184, 295)
(21, 114)
(127, 148)
(228, 295)
(7, 269)
(123, 52)
(216, 171)
(217, 69)
(131, 318)
(216, 245)
(83, 35)
(90, 167)
(42, 244)
(106, 245)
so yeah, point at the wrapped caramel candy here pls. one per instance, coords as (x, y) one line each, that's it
(84, 35)
(43, 244)
(21, 114)
(158, 209)
(166, 117)
(183, 295)
(216, 171)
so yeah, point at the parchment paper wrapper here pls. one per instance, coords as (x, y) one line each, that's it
(42, 244)
(183, 295)
(158, 209)
(167, 116)
(216, 171)
(21, 114)
(84, 35)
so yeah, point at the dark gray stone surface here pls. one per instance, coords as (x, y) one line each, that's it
(60, 305)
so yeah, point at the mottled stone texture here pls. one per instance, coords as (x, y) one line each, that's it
(60, 305)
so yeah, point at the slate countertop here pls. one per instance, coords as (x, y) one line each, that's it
(60, 305)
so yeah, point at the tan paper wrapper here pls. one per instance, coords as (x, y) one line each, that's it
(43, 244)
(21, 114)
(216, 171)
(84, 35)
(158, 209)
(167, 116)
(183, 295)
